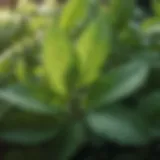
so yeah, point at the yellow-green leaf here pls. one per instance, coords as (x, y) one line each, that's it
(156, 7)
(57, 52)
(93, 48)
(73, 14)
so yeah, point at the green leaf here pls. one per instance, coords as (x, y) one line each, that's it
(19, 97)
(93, 48)
(150, 26)
(156, 7)
(121, 12)
(74, 13)
(121, 125)
(57, 58)
(68, 141)
(27, 129)
(118, 83)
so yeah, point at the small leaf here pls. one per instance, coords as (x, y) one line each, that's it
(21, 99)
(57, 58)
(93, 48)
(121, 126)
(27, 129)
(74, 13)
(118, 83)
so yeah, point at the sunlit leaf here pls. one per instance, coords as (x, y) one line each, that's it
(74, 13)
(93, 49)
(57, 58)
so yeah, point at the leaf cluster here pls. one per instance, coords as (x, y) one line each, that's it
(94, 74)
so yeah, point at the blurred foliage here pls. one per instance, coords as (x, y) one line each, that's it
(68, 77)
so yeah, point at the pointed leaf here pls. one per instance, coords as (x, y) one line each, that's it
(57, 56)
(74, 13)
(93, 48)
(121, 126)
(118, 83)
(21, 99)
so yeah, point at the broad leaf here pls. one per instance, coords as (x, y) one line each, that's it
(118, 83)
(20, 97)
(121, 126)
(57, 57)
